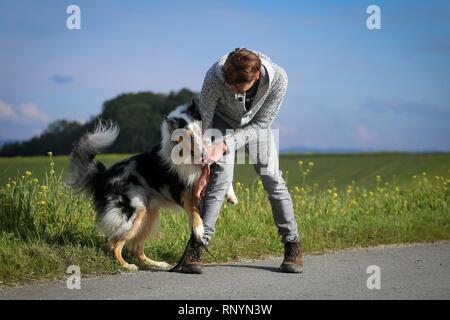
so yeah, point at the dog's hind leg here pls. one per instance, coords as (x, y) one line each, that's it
(117, 249)
(191, 206)
(118, 244)
(138, 243)
(231, 196)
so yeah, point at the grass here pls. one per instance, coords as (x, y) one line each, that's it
(44, 227)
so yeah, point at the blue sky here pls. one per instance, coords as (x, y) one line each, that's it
(349, 87)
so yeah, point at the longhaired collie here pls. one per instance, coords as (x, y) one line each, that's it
(128, 195)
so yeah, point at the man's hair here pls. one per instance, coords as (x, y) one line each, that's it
(241, 66)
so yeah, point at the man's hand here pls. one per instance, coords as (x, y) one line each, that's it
(214, 152)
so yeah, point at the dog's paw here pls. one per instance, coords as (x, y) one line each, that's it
(130, 267)
(155, 265)
(232, 199)
(199, 231)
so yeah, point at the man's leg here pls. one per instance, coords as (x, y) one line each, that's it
(211, 203)
(220, 179)
(266, 163)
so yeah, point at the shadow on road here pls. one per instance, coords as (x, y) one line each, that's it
(265, 268)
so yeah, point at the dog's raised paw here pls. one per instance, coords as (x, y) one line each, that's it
(232, 199)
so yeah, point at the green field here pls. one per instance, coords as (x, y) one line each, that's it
(341, 169)
(343, 201)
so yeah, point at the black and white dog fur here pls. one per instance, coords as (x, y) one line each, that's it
(128, 195)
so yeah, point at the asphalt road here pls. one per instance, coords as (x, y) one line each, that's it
(420, 271)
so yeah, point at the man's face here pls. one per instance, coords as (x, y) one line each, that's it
(242, 87)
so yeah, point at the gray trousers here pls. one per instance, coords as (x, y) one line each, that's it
(273, 182)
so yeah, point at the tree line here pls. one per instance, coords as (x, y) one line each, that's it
(138, 115)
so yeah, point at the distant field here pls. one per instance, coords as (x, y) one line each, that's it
(340, 168)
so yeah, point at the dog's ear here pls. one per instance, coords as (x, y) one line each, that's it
(193, 109)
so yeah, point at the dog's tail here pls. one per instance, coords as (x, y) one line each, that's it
(85, 172)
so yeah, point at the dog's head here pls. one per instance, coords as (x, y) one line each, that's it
(183, 125)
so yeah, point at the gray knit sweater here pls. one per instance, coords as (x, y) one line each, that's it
(216, 97)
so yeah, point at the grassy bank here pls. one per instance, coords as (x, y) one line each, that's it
(44, 228)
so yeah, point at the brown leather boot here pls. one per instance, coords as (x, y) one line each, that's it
(193, 262)
(293, 258)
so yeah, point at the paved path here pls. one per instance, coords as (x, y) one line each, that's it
(420, 271)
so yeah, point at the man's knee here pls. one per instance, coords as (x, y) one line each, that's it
(220, 180)
(275, 186)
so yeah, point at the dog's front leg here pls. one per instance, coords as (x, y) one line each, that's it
(192, 209)
(199, 187)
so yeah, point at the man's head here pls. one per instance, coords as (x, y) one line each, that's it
(241, 69)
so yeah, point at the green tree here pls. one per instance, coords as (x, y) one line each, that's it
(138, 115)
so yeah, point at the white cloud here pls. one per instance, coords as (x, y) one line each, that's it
(25, 113)
(364, 135)
(29, 111)
(6, 111)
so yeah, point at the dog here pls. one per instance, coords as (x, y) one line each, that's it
(128, 195)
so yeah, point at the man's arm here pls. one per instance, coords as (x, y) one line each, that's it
(208, 98)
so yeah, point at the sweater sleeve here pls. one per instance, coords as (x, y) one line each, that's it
(263, 118)
(208, 98)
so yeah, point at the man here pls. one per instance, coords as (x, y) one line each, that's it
(243, 91)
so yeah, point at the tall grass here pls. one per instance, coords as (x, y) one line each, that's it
(46, 210)
(44, 227)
